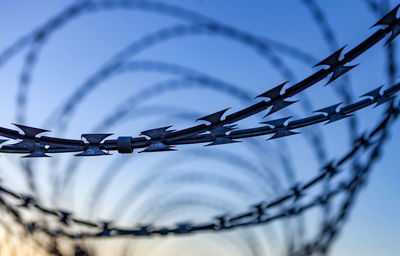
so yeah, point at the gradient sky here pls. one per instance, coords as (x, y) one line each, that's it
(80, 47)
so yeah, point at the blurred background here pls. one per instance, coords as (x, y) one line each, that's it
(123, 67)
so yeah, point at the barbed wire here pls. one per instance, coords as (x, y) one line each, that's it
(257, 215)
(161, 139)
(219, 131)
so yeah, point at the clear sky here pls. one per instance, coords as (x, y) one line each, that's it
(212, 180)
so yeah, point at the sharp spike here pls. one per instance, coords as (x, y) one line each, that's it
(106, 229)
(158, 146)
(259, 212)
(297, 192)
(273, 93)
(65, 217)
(30, 131)
(277, 123)
(337, 117)
(331, 110)
(220, 130)
(377, 96)
(34, 148)
(279, 126)
(395, 32)
(278, 105)
(331, 60)
(222, 140)
(339, 71)
(93, 148)
(222, 222)
(375, 93)
(283, 132)
(157, 133)
(28, 201)
(93, 151)
(332, 113)
(22, 144)
(95, 138)
(156, 140)
(35, 154)
(215, 117)
(389, 18)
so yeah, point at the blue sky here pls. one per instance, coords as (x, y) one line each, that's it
(77, 50)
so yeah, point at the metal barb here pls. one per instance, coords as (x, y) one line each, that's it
(220, 140)
(95, 138)
(277, 102)
(332, 60)
(217, 130)
(29, 142)
(338, 68)
(259, 212)
(339, 71)
(226, 222)
(27, 201)
(364, 141)
(281, 130)
(214, 118)
(36, 154)
(106, 230)
(183, 228)
(222, 222)
(377, 96)
(30, 131)
(389, 18)
(332, 113)
(220, 136)
(297, 192)
(277, 123)
(65, 217)
(392, 21)
(34, 148)
(94, 143)
(331, 169)
(274, 92)
(157, 142)
(157, 132)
